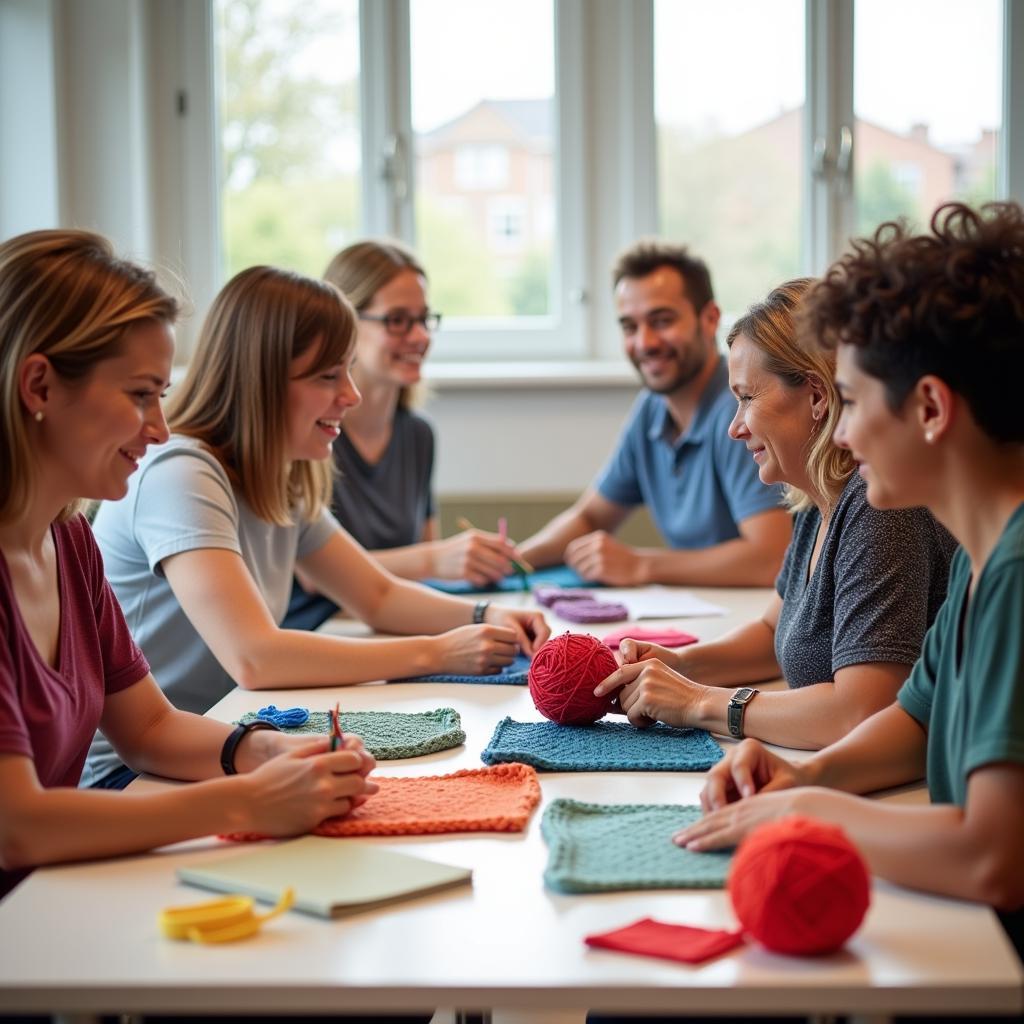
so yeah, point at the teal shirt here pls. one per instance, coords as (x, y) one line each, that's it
(971, 701)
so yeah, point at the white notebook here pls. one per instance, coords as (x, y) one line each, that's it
(330, 876)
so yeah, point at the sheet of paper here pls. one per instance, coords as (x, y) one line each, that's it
(662, 603)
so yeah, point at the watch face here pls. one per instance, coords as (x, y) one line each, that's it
(743, 695)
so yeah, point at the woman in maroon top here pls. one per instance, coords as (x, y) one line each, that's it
(85, 354)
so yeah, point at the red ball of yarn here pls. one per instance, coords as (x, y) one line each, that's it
(563, 675)
(799, 886)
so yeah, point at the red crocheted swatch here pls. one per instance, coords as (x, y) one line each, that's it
(496, 799)
(648, 937)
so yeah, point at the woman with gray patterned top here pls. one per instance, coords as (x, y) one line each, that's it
(858, 588)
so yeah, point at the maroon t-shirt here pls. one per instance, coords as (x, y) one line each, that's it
(50, 715)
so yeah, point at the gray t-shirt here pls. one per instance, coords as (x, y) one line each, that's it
(180, 499)
(878, 584)
(386, 504)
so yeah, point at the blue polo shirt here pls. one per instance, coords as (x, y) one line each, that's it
(698, 487)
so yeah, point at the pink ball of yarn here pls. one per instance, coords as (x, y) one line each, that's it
(799, 886)
(563, 675)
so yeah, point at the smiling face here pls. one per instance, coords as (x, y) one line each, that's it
(666, 339)
(776, 421)
(889, 447)
(316, 405)
(94, 431)
(385, 358)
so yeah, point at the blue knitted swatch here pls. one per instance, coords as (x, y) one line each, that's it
(601, 747)
(514, 675)
(389, 735)
(553, 575)
(610, 847)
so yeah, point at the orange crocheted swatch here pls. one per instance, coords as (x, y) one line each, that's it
(496, 799)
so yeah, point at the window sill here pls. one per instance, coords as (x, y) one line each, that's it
(479, 375)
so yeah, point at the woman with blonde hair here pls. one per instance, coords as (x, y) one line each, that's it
(384, 454)
(85, 352)
(858, 586)
(203, 550)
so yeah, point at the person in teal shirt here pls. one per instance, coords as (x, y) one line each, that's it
(929, 332)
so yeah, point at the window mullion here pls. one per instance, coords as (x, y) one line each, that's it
(385, 107)
(828, 193)
(1010, 168)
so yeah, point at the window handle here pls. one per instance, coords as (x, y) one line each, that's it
(394, 168)
(819, 160)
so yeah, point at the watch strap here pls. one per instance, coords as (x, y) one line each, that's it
(227, 752)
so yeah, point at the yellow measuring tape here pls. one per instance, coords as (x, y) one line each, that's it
(224, 920)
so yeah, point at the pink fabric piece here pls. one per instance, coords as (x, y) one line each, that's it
(664, 636)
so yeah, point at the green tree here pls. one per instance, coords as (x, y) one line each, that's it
(529, 289)
(880, 197)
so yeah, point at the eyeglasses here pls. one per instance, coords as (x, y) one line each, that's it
(399, 323)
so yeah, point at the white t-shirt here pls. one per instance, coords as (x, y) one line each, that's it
(180, 499)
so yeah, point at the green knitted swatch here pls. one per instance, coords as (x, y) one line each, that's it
(609, 847)
(389, 735)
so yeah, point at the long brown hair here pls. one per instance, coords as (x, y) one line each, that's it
(234, 396)
(67, 296)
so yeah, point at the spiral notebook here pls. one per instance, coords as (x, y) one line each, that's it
(331, 877)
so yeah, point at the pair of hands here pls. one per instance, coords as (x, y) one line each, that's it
(474, 555)
(302, 782)
(651, 688)
(599, 556)
(487, 648)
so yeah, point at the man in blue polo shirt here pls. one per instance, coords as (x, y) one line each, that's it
(723, 526)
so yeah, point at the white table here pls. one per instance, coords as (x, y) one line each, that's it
(83, 939)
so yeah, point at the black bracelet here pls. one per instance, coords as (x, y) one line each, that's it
(227, 752)
(479, 611)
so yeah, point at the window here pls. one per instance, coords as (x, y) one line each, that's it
(517, 146)
(483, 120)
(729, 106)
(289, 131)
(927, 97)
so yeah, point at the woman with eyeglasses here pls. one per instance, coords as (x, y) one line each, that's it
(385, 453)
(203, 549)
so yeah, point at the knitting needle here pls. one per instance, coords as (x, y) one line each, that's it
(337, 736)
(520, 565)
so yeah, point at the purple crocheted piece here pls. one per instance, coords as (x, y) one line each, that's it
(548, 595)
(590, 611)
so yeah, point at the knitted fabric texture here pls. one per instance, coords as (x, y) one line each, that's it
(515, 674)
(499, 799)
(601, 747)
(590, 611)
(611, 847)
(390, 735)
(555, 575)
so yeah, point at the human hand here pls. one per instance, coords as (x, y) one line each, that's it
(473, 555)
(731, 824)
(649, 692)
(476, 650)
(633, 651)
(531, 628)
(747, 769)
(296, 790)
(599, 556)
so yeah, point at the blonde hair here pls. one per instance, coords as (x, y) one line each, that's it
(771, 327)
(234, 396)
(360, 270)
(64, 295)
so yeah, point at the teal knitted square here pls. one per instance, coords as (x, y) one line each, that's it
(390, 735)
(611, 847)
(601, 747)
(511, 675)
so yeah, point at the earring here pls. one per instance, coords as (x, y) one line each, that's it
(39, 416)
(929, 437)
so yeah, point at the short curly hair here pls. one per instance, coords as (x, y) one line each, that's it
(949, 302)
(649, 254)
